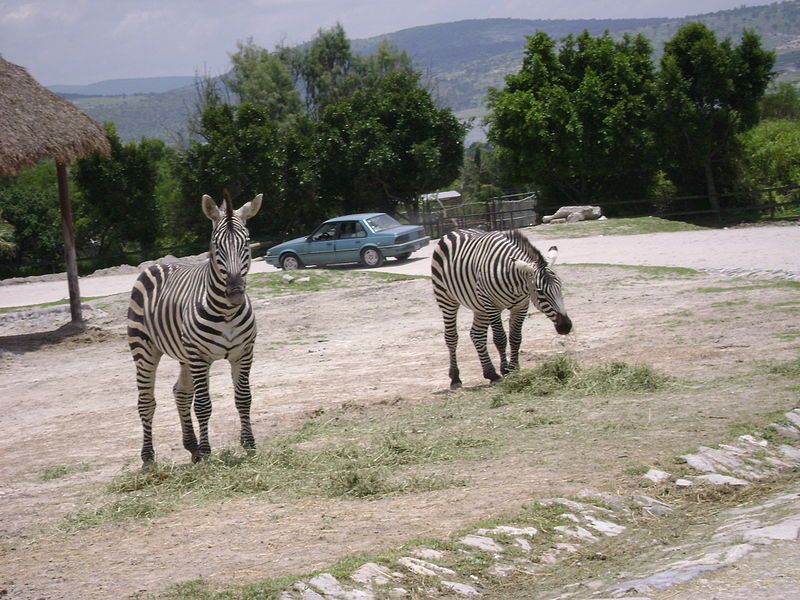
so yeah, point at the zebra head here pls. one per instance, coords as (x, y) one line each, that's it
(545, 289)
(229, 253)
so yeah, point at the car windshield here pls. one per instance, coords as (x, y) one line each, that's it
(381, 222)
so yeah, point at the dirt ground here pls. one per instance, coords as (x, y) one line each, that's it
(71, 400)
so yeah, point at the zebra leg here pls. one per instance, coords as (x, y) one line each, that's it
(147, 359)
(450, 316)
(478, 332)
(202, 403)
(240, 371)
(500, 339)
(184, 393)
(516, 320)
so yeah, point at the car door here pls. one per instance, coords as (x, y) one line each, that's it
(349, 241)
(320, 249)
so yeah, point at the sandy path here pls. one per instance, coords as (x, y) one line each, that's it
(770, 250)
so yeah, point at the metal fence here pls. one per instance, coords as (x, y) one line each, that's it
(502, 212)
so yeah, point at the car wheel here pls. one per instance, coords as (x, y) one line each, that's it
(290, 261)
(403, 256)
(371, 257)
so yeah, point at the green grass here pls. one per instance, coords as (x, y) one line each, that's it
(59, 471)
(564, 375)
(377, 453)
(622, 226)
(779, 284)
(649, 271)
(790, 368)
(9, 309)
(320, 279)
(351, 469)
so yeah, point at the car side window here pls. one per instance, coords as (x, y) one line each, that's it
(327, 232)
(351, 229)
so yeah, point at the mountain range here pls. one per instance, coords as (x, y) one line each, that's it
(460, 61)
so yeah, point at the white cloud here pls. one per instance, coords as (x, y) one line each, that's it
(22, 13)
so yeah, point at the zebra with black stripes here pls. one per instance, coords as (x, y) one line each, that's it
(488, 273)
(197, 314)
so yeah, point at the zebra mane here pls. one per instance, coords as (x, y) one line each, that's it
(518, 239)
(228, 209)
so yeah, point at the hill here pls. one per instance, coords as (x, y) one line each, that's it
(460, 60)
(121, 87)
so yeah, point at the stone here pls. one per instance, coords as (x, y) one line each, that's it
(481, 542)
(752, 440)
(463, 589)
(398, 592)
(523, 544)
(288, 278)
(328, 585)
(683, 483)
(576, 532)
(786, 431)
(557, 221)
(424, 568)
(371, 574)
(652, 506)
(427, 553)
(794, 417)
(788, 529)
(305, 279)
(790, 453)
(287, 596)
(310, 594)
(656, 475)
(508, 530)
(605, 527)
(717, 479)
(575, 217)
(500, 570)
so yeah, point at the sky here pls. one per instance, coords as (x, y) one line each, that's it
(84, 41)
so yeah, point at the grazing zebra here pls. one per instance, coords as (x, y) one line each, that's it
(490, 272)
(197, 314)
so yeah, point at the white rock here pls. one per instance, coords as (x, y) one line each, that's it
(500, 570)
(788, 529)
(605, 527)
(717, 479)
(310, 594)
(481, 542)
(427, 553)
(523, 543)
(371, 574)
(576, 532)
(508, 530)
(288, 278)
(683, 483)
(305, 279)
(461, 588)
(790, 453)
(328, 585)
(423, 567)
(752, 440)
(656, 475)
(786, 430)
(398, 592)
(794, 417)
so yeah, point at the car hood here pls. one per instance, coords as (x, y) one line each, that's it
(288, 243)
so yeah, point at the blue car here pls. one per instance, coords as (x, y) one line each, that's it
(367, 238)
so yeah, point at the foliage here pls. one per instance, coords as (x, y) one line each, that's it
(783, 102)
(263, 79)
(480, 174)
(708, 92)
(119, 193)
(385, 145)
(575, 119)
(30, 219)
(771, 155)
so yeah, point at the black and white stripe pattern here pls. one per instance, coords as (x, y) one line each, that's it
(488, 273)
(197, 314)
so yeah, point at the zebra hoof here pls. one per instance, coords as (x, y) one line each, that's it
(148, 465)
(456, 385)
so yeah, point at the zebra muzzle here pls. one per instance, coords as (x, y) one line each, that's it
(235, 291)
(563, 324)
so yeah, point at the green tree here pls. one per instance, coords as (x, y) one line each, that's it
(771, 154)
(265, 80)
(119, 204)
(783, 102)
(708, 92)
(386, 144)
(34, 216)
(480, 174)
(575, 119)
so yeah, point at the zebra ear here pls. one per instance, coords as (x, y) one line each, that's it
(552, 255)
(249, 210)
(524, 267)
(211, 209)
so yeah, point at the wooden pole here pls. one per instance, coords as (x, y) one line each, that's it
(69, 244)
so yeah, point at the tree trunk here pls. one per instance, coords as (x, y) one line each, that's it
(69, 244)
(713, 196)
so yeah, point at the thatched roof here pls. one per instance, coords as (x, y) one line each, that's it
(36, 124)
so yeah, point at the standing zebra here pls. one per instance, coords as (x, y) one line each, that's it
(490, 272)
(197, 314)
